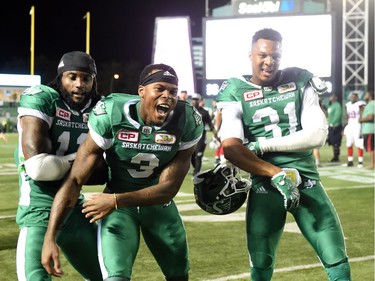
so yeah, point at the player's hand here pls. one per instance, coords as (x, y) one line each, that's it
(99, 206)
(288, 190)
(70, 157)
(254, 147)
(51, 258)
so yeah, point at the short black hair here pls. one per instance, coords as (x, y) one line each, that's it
(158, 66)
(267, 34)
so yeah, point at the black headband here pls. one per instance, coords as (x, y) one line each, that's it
(160, 76)
(77, 61)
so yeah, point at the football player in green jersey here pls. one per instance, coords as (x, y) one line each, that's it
(278, 113)
(367, 121)
(148, 141)
(335, 129)
(52, 123)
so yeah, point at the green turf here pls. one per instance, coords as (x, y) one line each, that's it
(218, 249)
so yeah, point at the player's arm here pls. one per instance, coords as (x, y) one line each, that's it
(218, 120)
(236, 153)
(368, 118)
(88, 154)
(170, 181)
(213, 130)
(314, 129)
(36, 144)
(346, 115)
(231, 133)
(208, 120)
(218, 124)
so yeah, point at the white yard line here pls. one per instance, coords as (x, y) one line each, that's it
(7, 217)
(286, 269)
(190, 206)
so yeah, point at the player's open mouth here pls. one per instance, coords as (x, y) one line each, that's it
(162, 109)
(267, 71)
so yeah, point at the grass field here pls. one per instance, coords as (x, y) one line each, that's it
(217, 243)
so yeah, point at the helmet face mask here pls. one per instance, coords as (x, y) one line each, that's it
(221, 190)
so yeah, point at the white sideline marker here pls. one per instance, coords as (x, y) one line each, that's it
(286, 269)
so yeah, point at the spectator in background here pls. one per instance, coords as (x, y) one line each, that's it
(352, 129)
(368, 126)
(3, 131)
(334, 112)
(215, 144)
(183, 95)
(196, 159)
(213, 110)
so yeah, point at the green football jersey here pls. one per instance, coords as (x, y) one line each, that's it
(273, 111)
(67, 128)
(368, 127)
(136, 153)
(334, 114)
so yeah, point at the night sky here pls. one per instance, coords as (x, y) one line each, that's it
(121, 30)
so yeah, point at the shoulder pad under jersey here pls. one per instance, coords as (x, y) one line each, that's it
(318, 85)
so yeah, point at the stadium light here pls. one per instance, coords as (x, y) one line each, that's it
(114, 77)
(32, 41)
(177, 54)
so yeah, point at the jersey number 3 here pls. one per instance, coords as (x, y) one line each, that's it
(147, 163)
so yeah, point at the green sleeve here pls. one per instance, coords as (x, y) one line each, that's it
(100, 118)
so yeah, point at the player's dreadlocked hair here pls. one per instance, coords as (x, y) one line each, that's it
(268, 34)
(149, 68)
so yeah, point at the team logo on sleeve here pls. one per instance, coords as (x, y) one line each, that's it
(99, 108)
(289, 87)
(161, 138)
(63, 114)
(318, 85)
(129, 136)
(252, 95)
(223, 86)
(32, 91)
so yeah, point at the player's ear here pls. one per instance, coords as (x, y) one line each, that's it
(141, 91)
